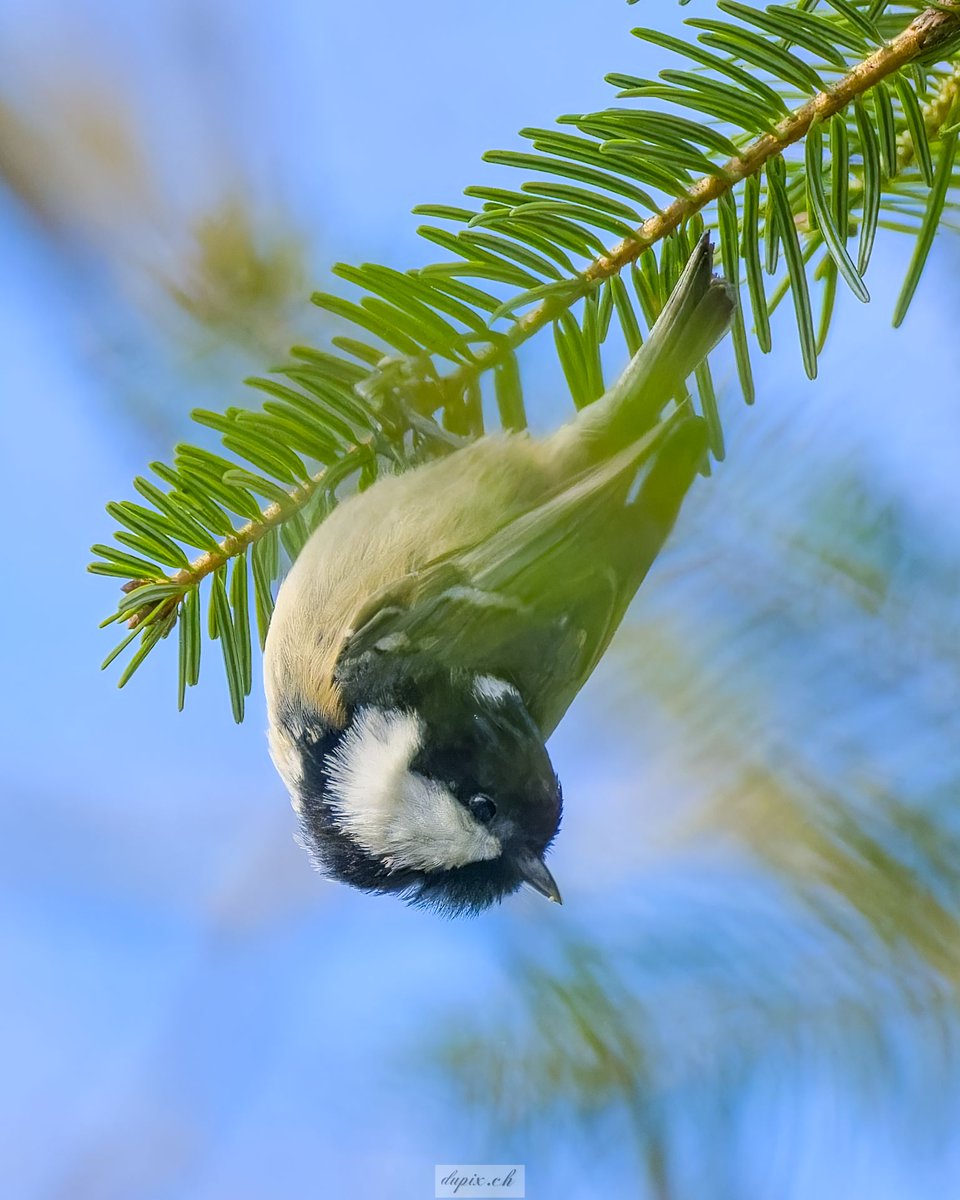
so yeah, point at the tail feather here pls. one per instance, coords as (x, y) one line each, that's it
(697, 314)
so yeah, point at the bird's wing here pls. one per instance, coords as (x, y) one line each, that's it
(537, 602)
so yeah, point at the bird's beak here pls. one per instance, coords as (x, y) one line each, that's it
(535, 873)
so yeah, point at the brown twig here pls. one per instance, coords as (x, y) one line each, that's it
(932, 27)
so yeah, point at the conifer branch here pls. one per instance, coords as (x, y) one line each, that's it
(932, 27)
(331, 416)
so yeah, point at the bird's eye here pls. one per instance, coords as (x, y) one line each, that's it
(483, 809)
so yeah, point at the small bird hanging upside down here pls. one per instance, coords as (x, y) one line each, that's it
(436, 627)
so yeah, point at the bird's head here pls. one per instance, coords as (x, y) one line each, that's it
(440, 790)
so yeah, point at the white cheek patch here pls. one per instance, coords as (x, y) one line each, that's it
(394, 814)
(496, 691)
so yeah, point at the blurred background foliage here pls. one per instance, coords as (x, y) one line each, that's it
(753, 987)
(801, 919)
(201, 272)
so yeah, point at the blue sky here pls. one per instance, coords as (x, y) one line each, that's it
(191, 1013)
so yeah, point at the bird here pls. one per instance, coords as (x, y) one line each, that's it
(435, 628)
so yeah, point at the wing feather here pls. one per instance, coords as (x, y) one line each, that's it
(537, 602)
